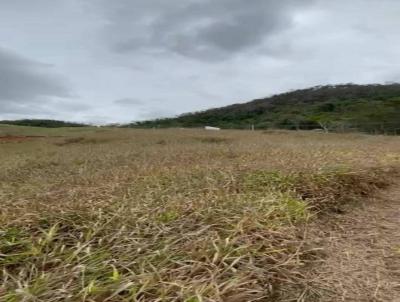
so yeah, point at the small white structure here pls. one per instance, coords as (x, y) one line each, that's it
(212, 128)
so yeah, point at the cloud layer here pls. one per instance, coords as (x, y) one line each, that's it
(110, 61)
(25, 83)
(22, 79)
(206, 30)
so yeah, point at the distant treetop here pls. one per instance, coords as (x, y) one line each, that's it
(42, 123)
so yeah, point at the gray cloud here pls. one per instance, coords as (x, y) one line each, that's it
(11, 108)
(23, 80)
(129, 102)
(148, 109)
(209, 30)
(152, 113)
(27, 86)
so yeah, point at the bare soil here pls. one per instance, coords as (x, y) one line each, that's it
(13, 138)
(362, 252)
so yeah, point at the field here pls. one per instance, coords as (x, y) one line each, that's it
(99, 214)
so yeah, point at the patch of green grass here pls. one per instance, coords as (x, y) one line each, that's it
(268, 180)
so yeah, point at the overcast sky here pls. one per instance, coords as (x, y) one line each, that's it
(104, 61)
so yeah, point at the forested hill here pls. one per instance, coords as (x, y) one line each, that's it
(371, 108)
(42, 123)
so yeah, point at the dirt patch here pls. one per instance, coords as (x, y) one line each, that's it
(82, 140)
(213, 139)
(362, 252)
(11, 138)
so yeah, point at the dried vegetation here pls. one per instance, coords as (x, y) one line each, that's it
(175, 215)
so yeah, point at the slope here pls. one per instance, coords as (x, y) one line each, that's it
(369, 108)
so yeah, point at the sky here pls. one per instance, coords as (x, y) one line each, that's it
(102, 61)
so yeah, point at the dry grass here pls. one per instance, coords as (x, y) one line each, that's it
(362, 245)
(174, 215)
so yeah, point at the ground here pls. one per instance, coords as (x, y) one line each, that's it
(362, 247)
(104, 214)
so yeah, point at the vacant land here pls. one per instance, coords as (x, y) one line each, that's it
(92, 214)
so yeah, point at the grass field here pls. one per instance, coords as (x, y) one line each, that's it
(98, 214)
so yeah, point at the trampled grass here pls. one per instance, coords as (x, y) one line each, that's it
(174, 215)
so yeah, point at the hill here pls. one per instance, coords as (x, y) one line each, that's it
(42, 123)
(349, 107)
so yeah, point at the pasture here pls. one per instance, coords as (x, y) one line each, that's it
(102, 214)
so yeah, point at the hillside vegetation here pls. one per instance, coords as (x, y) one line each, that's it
(368, 108)
(42, 123)
(176, 215)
